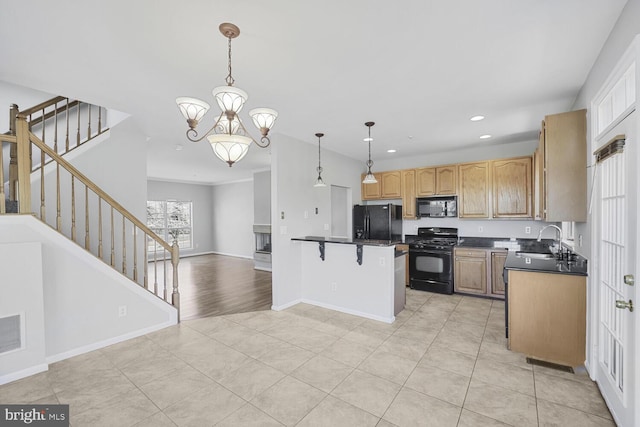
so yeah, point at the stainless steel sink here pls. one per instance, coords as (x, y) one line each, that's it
(534, 255)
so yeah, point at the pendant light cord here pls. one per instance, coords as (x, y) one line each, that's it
(229, 79)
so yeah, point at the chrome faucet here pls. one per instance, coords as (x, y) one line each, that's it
(558, 234)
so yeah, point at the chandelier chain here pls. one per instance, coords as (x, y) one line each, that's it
(230, 80)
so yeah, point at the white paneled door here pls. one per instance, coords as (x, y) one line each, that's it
(615, 253)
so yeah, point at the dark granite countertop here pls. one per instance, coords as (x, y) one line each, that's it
(577, 266)
(346, 241)
(531, 245)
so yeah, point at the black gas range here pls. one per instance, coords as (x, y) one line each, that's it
(431, 259)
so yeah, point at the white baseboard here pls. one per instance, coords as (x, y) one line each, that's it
(285, 306)
(349, 311)
(105, 343)
(14, 376)
(233, 255)
(262, 269)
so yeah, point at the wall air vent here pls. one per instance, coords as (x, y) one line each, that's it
(11, 333)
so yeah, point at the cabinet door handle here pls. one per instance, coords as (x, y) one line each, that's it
(623, 304)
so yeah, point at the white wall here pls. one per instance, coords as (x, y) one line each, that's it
(82, 295)
(202, 199)
(262, 197)
(23, 295)
(232, 219)
(293, 173)
(627, 27)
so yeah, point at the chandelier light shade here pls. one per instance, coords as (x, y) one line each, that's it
(228, 137)
(319, 181)
(369, 177)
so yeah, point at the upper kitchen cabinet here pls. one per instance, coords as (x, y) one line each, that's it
(473, 194)
(388, 186)
(562, 192)
(511, 184)
(372, 191)
(436, 181)
(391, 185)
(408, 194)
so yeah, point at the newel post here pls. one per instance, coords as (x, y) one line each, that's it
(24, 165)
(175, 259)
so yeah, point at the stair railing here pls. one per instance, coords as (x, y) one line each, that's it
(84, 213)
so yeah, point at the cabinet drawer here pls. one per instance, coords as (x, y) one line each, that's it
(474, 253)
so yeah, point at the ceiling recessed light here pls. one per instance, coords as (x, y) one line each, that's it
(485, 136)
(476, 118)
(179, 147)
(391, 151)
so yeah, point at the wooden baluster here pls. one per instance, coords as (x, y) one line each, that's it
(58, 203)
(99, 227)
(113, 250)
(155, 267)
(42, 209)
(73, 208)
(55, 127)
(164, 275)
(89, 124)
(99, 120)
(135, 254)
(175, 259)
(78, 132)
(145, 280)
(124, 247)
(66, 138)
(43, 126)
(87, 242)
(13, 172)
(24, 165)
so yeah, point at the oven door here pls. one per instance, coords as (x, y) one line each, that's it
(431, 270)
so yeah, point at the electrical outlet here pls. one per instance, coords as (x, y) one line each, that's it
(334, 286)
(580, 240)
(283, 229)
(306, 214)
(122, 311)
(326, 227)
(480, 229)
(382, 261)
(527, 230)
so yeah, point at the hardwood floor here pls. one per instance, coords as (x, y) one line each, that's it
(213, 285)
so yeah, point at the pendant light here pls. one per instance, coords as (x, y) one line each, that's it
(370, 177)
(228, 137)
(319, 181)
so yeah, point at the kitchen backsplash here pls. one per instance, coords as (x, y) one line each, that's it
(483, 228)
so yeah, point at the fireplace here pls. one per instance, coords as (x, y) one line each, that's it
(262, 253)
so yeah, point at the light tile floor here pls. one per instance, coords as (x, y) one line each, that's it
(443, 362)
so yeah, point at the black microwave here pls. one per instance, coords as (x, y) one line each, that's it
(442, 207)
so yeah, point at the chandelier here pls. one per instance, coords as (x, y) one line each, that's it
(228, 137)
(370, 177)
(319, 181)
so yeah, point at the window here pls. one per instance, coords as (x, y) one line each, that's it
(171, 220)
(567, 230)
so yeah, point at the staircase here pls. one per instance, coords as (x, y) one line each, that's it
(40, 181)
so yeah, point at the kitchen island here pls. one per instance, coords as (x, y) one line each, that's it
(546, 307)
(360, 277)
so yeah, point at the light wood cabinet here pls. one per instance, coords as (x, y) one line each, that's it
(563, 154)
(498, 259)
(512, 188)
(547, 316)
(470, 271)
(391, 184)
(408, 188)
(435, 181)
(446, 180)
(538, 179)
(371, 191)
(473, 193)
(425, 182)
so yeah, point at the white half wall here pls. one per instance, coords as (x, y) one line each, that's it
(22, 288)
(83, 296)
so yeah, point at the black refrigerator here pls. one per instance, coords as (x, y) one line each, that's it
(377, 222)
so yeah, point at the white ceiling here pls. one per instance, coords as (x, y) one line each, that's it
(418, 68)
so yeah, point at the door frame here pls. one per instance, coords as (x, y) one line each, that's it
(631, 55)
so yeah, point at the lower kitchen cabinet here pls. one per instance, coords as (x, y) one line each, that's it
(478, 271)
